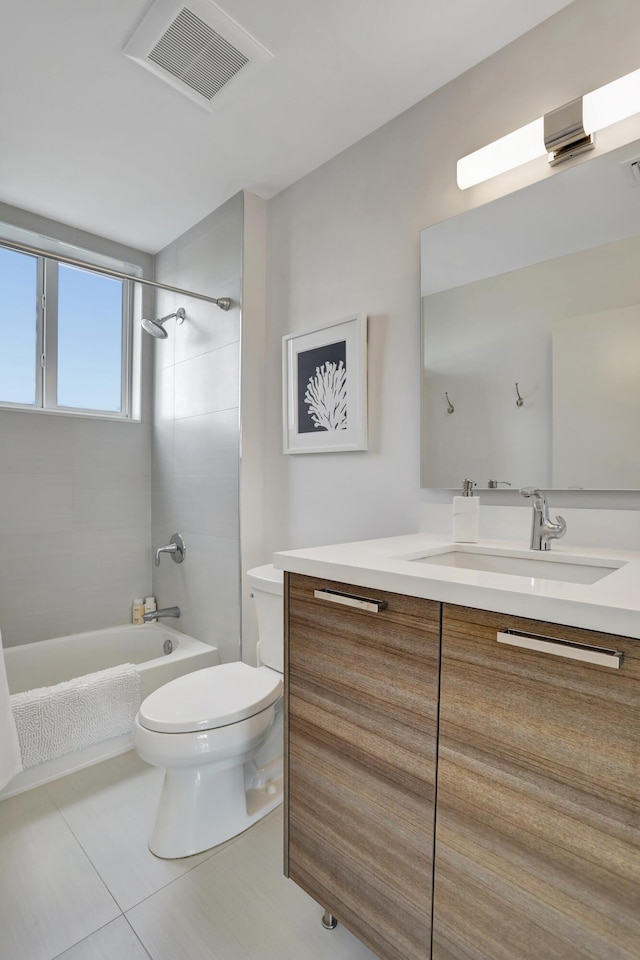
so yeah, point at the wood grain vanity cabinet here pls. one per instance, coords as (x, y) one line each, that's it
(360, 759)
(536, 851)
(538, 820)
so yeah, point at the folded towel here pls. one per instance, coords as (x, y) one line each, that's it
(54, 721)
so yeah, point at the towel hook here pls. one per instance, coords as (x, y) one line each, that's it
(450, 407)
(519, 401)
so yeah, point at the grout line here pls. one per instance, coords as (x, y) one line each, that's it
(214, 851)
(85, 852)
(135, 933)
(88, 936)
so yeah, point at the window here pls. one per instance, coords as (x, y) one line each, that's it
(64, 337)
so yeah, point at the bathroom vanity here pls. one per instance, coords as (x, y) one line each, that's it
(463, 747)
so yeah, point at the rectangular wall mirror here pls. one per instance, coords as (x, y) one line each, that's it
(531, 335)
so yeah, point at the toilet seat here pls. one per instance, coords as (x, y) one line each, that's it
(210, 698)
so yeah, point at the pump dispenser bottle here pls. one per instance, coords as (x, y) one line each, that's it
(466, 515)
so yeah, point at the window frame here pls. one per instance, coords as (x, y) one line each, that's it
(46, 343)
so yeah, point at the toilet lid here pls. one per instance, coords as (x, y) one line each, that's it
(209, 698)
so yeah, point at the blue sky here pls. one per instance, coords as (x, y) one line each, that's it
(89, 334)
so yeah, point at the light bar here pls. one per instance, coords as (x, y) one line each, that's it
(615, 101)
(596, 110)
(504, 154)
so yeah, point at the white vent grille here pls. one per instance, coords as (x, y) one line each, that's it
(197, 48)
(194, 53)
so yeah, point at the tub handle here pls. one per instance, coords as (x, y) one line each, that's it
(176, 548)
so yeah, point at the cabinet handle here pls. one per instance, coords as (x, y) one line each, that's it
(562, 648)
(351, 600)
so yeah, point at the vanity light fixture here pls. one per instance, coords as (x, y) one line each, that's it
(561, 134)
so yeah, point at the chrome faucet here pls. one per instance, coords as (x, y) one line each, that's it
(542, 528)
(165, 612)
(176, 548)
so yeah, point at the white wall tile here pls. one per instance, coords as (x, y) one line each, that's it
(207, 383)
(208, 445)
(207, 506)
(35, 443)
(206, 326)
(210, 252)
(118, 506)
(112, 448)
(35, 585)
(196, 439)
(26, 624)
(110, 568)
(31, 503)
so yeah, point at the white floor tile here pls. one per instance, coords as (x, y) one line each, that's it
(116, 941)
(237, 905)
(110, 808)
(50, 895)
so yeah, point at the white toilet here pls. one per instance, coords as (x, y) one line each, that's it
(218, 733)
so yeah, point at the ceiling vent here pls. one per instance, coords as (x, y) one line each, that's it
(196, 48)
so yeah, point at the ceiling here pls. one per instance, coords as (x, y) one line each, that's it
(90, 138)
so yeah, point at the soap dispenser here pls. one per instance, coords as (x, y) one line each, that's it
(466, 515)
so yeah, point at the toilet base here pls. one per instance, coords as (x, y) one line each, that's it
(201, 807)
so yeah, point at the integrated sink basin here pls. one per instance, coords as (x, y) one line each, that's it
(567, 570)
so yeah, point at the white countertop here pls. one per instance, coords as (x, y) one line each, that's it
(612, 604)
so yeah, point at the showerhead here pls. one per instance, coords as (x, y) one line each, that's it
(155, 327)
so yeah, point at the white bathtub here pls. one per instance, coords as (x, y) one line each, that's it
(48, 662)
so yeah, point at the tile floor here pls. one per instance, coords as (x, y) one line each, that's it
(77, 882)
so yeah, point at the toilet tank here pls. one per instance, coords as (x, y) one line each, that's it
(266, 586)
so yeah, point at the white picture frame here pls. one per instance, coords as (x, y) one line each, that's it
(324, 388)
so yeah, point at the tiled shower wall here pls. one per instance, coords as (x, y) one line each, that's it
(74, 523)
(196, 430)
(75, 504)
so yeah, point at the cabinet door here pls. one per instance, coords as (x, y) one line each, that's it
(361, 722)
(538, 823)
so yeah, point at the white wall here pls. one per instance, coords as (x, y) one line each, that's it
(75, 506)
(345, 239)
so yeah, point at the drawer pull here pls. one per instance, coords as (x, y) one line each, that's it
(351, 600)
(562, 648)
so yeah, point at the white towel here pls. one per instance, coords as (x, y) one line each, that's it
(10, 763)
(54, 721)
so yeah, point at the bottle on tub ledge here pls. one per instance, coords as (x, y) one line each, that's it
(150, 605)
(137, 610)
(466, 515)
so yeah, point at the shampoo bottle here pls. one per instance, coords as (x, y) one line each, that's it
(137, 610)
(150, 605)
(466, 515)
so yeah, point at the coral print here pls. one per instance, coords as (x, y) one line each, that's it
(326, 396)
(325, 388)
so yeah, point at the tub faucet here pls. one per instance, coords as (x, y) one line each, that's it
(542, 528)
(165, 612)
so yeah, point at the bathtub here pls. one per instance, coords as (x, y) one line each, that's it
(48, 662)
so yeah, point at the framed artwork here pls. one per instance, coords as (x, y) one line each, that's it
(324, 378)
